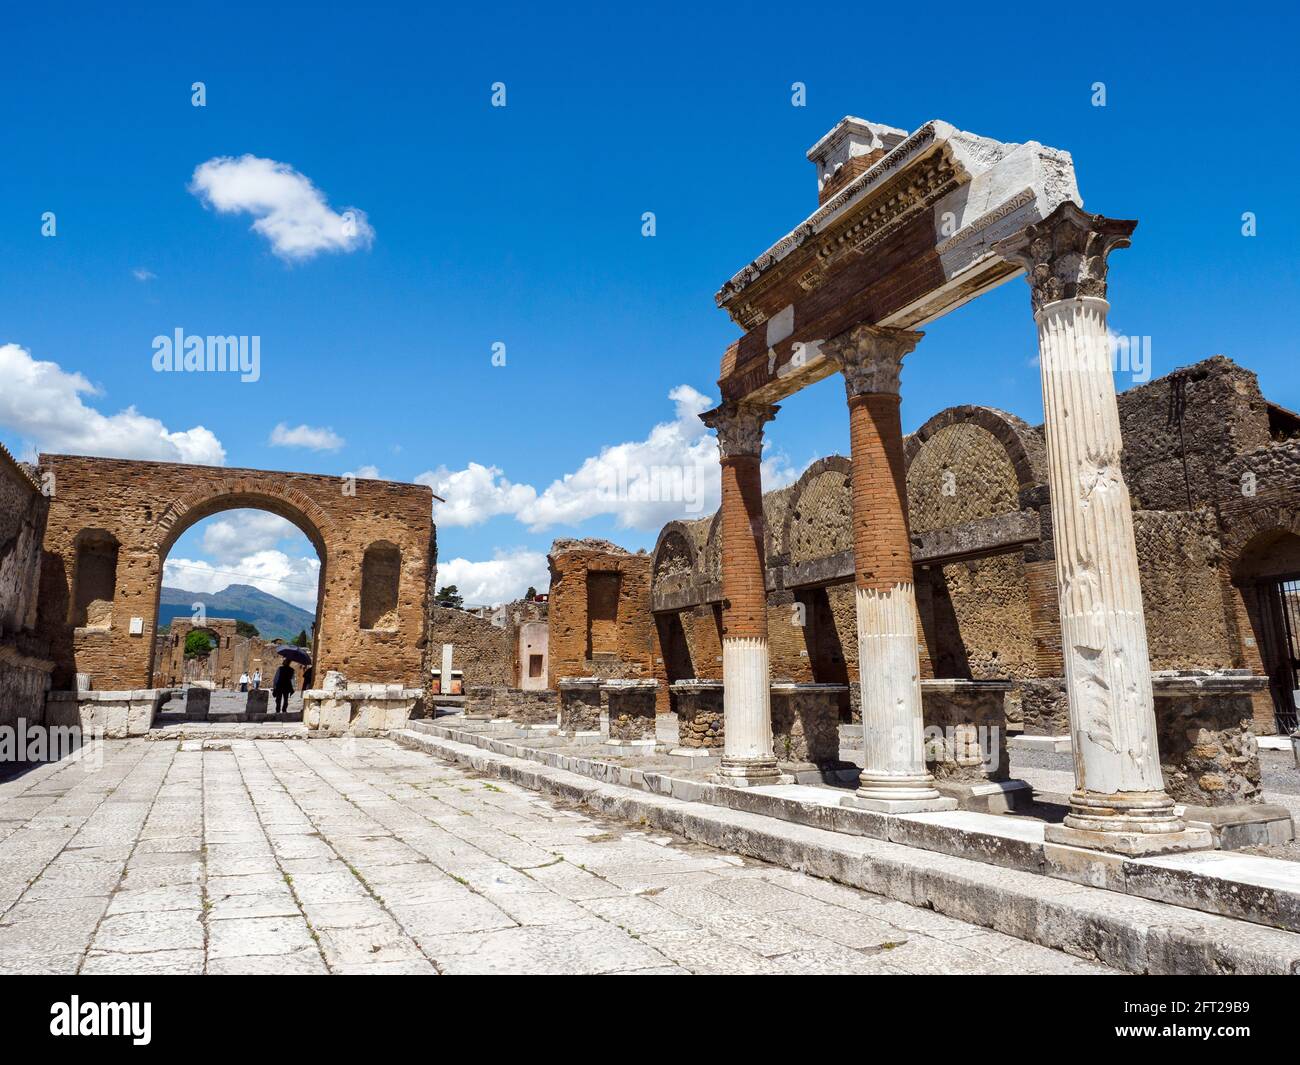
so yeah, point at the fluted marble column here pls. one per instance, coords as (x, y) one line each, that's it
(747, 756)
(894, 778)
(1119, 802)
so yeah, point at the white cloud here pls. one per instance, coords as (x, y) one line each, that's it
(291, 579)
(672, 473)
(309, 436)
(498, 580)
(245, 532)
(290, 211)
(366, 473)
(42, 404)
(474, 494)
(141, 274)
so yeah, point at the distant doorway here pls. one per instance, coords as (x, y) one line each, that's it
(1279, 600)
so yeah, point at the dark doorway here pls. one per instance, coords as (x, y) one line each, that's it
(1279, 600)
(676, 652)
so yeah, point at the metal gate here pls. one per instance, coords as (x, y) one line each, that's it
(1282, 599)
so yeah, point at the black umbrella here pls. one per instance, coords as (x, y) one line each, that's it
(294, 654)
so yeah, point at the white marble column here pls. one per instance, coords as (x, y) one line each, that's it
(894, 778)
(747, 755)
(1119, 802)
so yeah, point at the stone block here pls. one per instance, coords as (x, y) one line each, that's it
(1044, 706)
(1208, 752)
(700, 722)
(965, 730)
(806, 722)
(579, 705)
(198, 700)
(631, 710)
(257, 701)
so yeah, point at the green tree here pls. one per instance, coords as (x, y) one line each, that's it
(449, 595)
(197, 643)
(301, 639)
(246, 628)
(531, 594)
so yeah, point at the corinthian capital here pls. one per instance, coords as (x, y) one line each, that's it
(739, 426)
(870, 357)
(1064, 255)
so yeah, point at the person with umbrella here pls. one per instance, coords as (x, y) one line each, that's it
(282, 682)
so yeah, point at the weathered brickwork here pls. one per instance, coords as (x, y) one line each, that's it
(140, 508)
(600, 619)
(983, 548)
(25, 664)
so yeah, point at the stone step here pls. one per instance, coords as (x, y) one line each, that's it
(1127, 931)
(1269, 897)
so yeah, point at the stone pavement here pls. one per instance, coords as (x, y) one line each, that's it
(356, 855)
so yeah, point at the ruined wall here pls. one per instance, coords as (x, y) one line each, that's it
(1180, 431)
(1182, 594)
(142, 507)
(599, 613)
(484, 652)
(25, 664)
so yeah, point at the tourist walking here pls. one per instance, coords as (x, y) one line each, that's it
(243, 682)
(257, 679)
(282, 687)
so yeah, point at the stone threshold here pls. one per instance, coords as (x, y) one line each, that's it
(1129, 932)
(1249, 888)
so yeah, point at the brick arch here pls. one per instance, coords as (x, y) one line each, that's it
(1253, 527)
(669, 536)
(239, 493)
(796, 515)
(1023, 445)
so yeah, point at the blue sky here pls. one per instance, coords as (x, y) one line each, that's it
(521, 225)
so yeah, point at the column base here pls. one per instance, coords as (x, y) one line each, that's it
(748, 773)
(1130, 812)
(899, 806)
(580, 734)
(897, 787)
(1130, 844)
(631, 743)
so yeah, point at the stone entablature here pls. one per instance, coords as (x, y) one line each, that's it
(908, 239)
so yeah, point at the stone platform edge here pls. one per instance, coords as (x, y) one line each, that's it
(1126, 932)
(1261, 891)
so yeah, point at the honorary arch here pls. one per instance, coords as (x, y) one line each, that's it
(112, 523)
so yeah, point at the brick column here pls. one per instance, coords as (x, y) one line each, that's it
(747, 756)
(1119, 802)
(894, 777)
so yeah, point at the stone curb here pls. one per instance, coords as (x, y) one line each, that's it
(1259, 890)
(1123, 931)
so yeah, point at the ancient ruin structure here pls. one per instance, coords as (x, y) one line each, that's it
(979, 550)
(25, 664)
(232, 655)
(112, 522)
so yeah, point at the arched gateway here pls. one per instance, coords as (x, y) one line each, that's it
(112, 523)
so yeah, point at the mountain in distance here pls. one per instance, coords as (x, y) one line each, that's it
(274, 618)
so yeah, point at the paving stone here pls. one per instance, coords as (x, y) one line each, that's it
(243, 937)
(162, 962)
(403, 864)
(138, 933)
